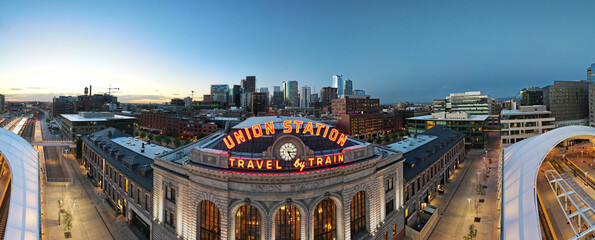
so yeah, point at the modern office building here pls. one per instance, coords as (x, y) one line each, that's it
(327, 94)
(260, 102)
(532, 96)
(120, 166)
(401, 116)
(431, 158)
(591, 73)
(355, 104)
(279, 178)
(528, 121)
(85, 123)
(592, 104)
(473, 126)
(234, 95)
(219, 93)
(266, 91)
(249, 84)
(290, 93)
(63, 105)
(568, 101)
(187, 101)
(339, 84)
(348, 87)
(474, 103)
(2, 103)
(278, 99)
(305, 99)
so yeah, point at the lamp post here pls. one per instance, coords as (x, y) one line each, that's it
(469, 202)
(478, 177)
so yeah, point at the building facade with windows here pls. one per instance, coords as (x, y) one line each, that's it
(528, 121)
(89, 122)
(430, 159)
(120, 166)
(279, 178)
(473, 126)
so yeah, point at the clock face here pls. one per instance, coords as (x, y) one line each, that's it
(288, 151)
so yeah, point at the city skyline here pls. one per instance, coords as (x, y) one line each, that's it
(157, 52)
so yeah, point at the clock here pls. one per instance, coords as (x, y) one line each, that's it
(288, 151)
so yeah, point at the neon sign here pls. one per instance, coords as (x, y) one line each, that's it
(280, 165)
(256, 131)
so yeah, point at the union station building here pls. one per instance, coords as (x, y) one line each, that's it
(279, 178)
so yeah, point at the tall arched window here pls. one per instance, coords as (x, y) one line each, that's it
(288, 223)
(210, 224)
(247, 223)
(358, 213)
(325, 221)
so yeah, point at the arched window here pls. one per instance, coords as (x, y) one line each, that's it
(288, 223)
(210, 224)
(358, 213)
(247, 223)
(325, 222)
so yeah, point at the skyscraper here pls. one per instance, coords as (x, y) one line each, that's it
(327, 94)
(305, 96)
(338, 84)
(348, 87)
(2, 103)
(234, 95)
(250, 84)
(590, 73)
(290, 93)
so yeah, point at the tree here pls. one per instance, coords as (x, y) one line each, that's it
(480, 190)
(177, 142)
(395, 136)
(143, 134)
(137, 133)
(158, 139)
(151, 136)
(186, 142)
(378, 140)
(167, 140)
(387, 138)
(472, 233)
(370, 140)
(200, 135)
(67, 220)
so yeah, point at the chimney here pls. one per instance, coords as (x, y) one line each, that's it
(90, 88)
(143, 145)
(109, 133)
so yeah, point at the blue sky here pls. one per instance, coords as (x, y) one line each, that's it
(395, 50)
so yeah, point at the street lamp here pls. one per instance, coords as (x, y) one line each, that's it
(478, 177)
(469, 202)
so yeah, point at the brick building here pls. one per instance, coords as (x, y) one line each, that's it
(120, 166)
(172, 124)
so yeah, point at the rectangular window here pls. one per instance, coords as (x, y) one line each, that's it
(389, 184)
(390, 206)
(147, 203)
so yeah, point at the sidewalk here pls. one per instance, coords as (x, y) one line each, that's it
(93, 218)
(456, 212)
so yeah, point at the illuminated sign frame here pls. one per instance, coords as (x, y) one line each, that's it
(256, 131)
(281, 165)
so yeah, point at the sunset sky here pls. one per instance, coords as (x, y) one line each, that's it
(395, 50)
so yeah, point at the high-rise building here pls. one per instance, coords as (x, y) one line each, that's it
(278, 98)
(234, 95)
(63, 105)
(348, 87)
(592, 104)
(259, 102)
(305, 97)
(249, 84)
(314, 97)
(568, 101)
(590, 73)
(327, 94)
(338, 84)
(219, 92)
(2, 103)
(290, 93)
(532, 96)
(187, 101)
